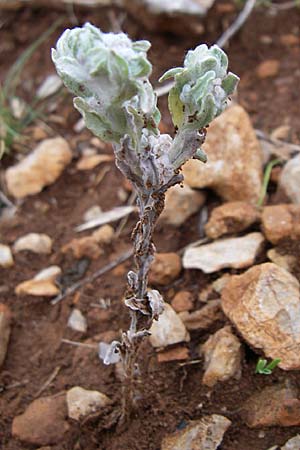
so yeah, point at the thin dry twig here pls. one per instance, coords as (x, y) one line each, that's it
(116, 21)
(79, 344)
(123, 222)
(189, 363)
(48, 381)
(237, 24)
(6, 201)
(204, 240)
(112, 215)
(101, 175)
(221, 42)
(15, 385)
(284, 6)
(74, 287)
(278, 144)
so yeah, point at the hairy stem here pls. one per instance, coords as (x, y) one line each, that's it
(143, 246)
(150, 208)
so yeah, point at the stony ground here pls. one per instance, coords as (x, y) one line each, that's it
(227, 262)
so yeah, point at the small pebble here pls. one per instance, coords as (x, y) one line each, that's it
(183, 301)
(34, 242)
(77, 321)
(6, 258)
(82, 402)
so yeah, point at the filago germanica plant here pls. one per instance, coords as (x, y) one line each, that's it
(109, 75)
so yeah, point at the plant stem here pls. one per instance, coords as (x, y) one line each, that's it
(150, 207)
(143, 246)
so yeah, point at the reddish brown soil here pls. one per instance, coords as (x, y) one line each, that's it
(171, 393)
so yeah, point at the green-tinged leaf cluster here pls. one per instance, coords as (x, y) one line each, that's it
(109, 75)
(201, 87)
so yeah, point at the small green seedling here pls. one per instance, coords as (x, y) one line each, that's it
(12, 125)
(266, 180)
(263, 368)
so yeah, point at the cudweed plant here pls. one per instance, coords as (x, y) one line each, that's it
(109, 75)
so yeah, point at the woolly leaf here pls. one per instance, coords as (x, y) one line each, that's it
(176, 107)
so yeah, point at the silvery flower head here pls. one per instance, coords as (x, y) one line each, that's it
(201, 87)
(109, 75)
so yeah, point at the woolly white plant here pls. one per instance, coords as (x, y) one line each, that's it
(109, 74)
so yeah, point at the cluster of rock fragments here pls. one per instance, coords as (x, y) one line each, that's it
(258, 306)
